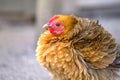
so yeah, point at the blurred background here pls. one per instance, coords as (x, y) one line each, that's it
(20, 27)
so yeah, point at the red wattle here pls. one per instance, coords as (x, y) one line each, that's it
(51, 31)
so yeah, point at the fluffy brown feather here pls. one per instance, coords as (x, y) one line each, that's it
(84, 51)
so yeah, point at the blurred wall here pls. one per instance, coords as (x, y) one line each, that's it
(25, 6)
(96, 3)
(17, 10)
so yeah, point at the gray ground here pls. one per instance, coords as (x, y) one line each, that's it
(17, 54)
(17, 50)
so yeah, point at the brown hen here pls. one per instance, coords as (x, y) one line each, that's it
(74, 48)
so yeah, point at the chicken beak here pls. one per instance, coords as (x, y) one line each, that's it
(46, 26)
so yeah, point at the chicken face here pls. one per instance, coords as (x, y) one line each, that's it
(56, 27)
(60, 24)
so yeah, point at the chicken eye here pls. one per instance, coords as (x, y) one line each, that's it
(57, 24)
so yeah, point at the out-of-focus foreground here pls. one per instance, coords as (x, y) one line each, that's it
(20, 26)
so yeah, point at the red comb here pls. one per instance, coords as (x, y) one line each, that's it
(53, 18)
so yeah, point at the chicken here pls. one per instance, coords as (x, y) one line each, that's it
(74, 48)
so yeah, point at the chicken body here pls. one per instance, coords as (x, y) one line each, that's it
(79, 49)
